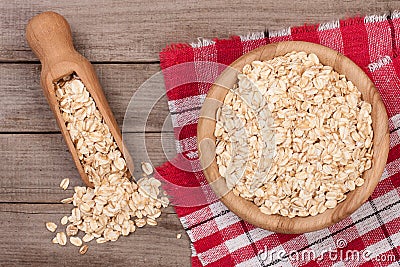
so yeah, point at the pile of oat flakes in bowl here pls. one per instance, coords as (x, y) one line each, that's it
(293, 136)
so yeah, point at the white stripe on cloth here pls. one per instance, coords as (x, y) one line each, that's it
(330, 25)
(382, 246)
(194, 218)
(339, 264)
(202, 42)
(225, 220)
(371, 223)
(238, 242)
(365, 225)
(394, 138)
(190, 234)
(187, 144)
(248, 45)
(252, 36)
(375, 18)
(394, 264)
(183, 104)
(394, 121)
(386, 200)
(243, 240)
(320, 245)
(222, 222)
(209, 227)
(391, 213)
(185, 118)
(193, 250)
(251, 262)
(395, 14)
(258, 234)
(201, 178)
(331, 36)
(391, 169)
(213, 254)
(379, 63)
(280, 33)
(203, 69)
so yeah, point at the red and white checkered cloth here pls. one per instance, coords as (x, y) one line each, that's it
(219, 237)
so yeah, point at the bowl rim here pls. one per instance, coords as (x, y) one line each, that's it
(246, 209)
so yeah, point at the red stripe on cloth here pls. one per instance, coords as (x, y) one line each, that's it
(170, 57)
(396, 26)
(173, 180)
(253, 44)
(168, 172)
(182, 91)
(393, 226)
(382, 188)
(216, 256)
(331, 38)
(225, 261)
(311, 264)
(268, 243)
(356, 244)
(231, 231)
(186, 131)
(393, 154)
(196, 262)
(373, 236)
(395, 180)
(388, 85)
(184, 211)
(244, 254)
(209, 241)
(232, 49)
(379, 40)
(355, 40)
(367, 264)
(386, 258)
(280, 37)
(284, 238)
(306, 33)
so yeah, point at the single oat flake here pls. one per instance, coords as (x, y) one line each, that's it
(64, 183)
(51, 226)
(83, 249)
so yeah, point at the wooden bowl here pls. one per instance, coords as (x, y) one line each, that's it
(247, 210)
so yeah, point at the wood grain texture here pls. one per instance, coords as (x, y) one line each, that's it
(136, 32)
(247, 210)
(26, 242)
(33, 165)
(24, 108)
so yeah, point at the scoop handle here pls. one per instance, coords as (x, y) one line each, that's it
(49, 36)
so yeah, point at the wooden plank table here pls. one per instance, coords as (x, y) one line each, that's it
(122, 40)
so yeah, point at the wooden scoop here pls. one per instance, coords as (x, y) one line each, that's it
(49, 36)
